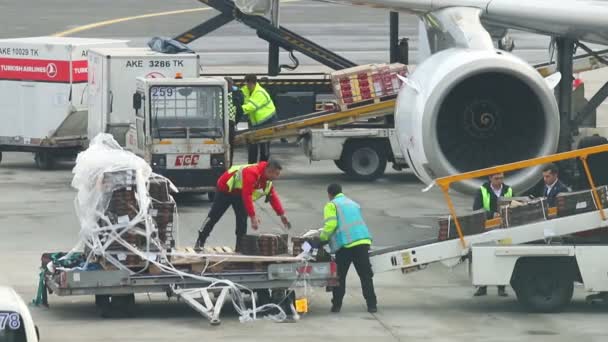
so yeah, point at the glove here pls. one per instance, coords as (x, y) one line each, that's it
(311, 233)
(314, 243)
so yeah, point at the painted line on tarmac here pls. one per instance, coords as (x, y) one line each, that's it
(120, 20)
(135, 17)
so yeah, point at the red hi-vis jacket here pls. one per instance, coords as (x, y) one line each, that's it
(253, 178)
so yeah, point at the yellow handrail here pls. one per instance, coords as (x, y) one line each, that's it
(445, 182)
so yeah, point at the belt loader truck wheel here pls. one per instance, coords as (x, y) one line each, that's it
(544, 285)
(364, 159)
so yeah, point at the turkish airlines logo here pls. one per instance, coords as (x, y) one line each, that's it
(187, 160)
(51, 70)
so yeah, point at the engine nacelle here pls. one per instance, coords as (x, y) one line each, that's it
(469, 109)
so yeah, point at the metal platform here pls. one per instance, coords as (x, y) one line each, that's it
(293, 127)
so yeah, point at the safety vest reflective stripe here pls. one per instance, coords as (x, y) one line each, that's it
(485, 196)
(236, 182)
(329, 219)
(231, 108)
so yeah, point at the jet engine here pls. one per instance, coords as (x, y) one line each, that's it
(465, 109)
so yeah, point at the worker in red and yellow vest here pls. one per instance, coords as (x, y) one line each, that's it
(239, 187)
(260, 109)
(350, 240)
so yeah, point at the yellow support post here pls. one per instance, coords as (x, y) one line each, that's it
(596, 196)
(453, 213)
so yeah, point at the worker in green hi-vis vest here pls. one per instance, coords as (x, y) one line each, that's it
(487, 198)
(260, 110)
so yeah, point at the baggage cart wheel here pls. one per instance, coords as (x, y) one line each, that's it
(44, 160)
(103, 306)
(115, 306)
(263, 297)
(124, 305)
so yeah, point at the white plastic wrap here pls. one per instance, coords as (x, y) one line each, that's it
(98, 230)
(254, 7)
(95, 184)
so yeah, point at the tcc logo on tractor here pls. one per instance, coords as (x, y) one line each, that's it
(187, 160)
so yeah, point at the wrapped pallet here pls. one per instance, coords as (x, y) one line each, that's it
(114, 207)
(473, 223)
(163, 209)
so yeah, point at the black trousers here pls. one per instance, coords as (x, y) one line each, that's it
(262, 148)
(252, 152)
(221, 202)
(358, 255)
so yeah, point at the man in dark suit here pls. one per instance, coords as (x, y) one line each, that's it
(553, 185)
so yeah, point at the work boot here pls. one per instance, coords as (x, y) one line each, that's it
(335, 306)
(502, 292)
(200, 242)
(237, 247)
(481, 291)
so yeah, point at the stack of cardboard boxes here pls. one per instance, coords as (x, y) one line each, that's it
(366, 83)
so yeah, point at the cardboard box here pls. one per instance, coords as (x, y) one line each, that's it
(572, 203)
(517, 213)
(470, 224)
(366, 82)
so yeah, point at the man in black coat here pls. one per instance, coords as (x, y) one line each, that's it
(553, 185)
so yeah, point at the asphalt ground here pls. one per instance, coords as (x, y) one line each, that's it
(37, 213)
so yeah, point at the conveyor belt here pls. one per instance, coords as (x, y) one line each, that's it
(293, 126)
(431, 251)
(402, 247)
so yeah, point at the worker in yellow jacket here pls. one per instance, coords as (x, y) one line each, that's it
(260, 109)
(350, 240)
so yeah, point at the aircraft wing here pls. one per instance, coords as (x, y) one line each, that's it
(584, 20)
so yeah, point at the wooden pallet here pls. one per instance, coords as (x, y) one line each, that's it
(219, 260)
(346, 106)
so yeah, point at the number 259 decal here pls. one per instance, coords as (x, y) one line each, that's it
(162, 92)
